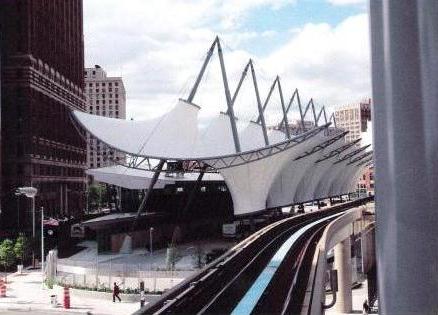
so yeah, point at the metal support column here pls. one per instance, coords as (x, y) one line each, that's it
(201, 73)
(259, 104)
(404, 42)
(301, 112)
(228, 97)
(283, 108)
(147, 195)
(194, 191)
(239, 85)
(268, 97)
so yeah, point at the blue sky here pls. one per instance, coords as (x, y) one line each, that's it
(157, 46)
(290, 17)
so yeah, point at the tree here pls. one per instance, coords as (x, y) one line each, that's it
(7, 255)
(97, 196)
(198, 257)
(21, 247)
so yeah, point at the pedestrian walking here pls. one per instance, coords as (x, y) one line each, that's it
(366, 308)
(116, 292)
(142, 294)
(142, 298)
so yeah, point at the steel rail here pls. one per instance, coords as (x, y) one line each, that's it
(191, 295)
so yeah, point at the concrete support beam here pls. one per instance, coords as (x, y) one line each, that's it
(344, 303)
(404, 42)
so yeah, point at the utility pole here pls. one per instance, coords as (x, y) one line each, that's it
(42, 246)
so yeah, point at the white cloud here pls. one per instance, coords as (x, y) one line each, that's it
(158, 47)
(346, 2)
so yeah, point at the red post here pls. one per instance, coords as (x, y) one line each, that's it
(2, 288)
(66, 297)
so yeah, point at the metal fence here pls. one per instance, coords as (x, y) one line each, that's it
(128, 276)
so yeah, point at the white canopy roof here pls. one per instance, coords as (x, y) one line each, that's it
(132, 178)
(176, 134)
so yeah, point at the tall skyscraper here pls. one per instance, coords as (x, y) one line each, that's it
(105, 97)
(354, 118)
(42, 78)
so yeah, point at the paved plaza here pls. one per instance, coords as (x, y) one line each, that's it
(25, 294)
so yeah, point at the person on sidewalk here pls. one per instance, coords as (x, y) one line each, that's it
(366, 308)
(116, 292)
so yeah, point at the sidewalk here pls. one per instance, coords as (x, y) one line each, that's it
(25, 293)
(359, 295)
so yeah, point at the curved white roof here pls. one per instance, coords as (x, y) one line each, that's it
(131, 178)
(171, 135)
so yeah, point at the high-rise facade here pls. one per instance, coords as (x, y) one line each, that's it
(105, 97)
(42, 78)
(353, 118)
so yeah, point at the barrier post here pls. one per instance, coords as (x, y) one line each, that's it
(2, 288)
(66, 298)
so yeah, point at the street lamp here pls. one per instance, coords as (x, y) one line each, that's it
(151, 231)
(30, 192)
(42, 244)
(17, 194)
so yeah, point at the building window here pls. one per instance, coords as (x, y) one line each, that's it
(116, 83)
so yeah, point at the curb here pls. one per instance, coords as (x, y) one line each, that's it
(108, 295)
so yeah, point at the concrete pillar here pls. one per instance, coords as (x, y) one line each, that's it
(61, 199)
(344, 302)
(404, 42)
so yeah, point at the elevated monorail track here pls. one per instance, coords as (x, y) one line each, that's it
(266, 273)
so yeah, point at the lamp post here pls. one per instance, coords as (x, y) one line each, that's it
(17, 194)
(30, 192)
(42, 245)
(151, 231)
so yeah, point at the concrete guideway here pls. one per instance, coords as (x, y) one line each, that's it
(337, 236)
(221, 285)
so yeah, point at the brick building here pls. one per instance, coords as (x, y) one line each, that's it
(105, 97)
(366, 181)
(42, 78)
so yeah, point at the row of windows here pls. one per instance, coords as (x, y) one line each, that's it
(100, 152)
(110, 114)
(98, 102)
(104, 95)
(102, 83)
(50, 170)
(104, 107)
(104, 158)
(93, 91)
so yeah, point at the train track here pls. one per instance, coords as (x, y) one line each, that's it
(265, 274)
